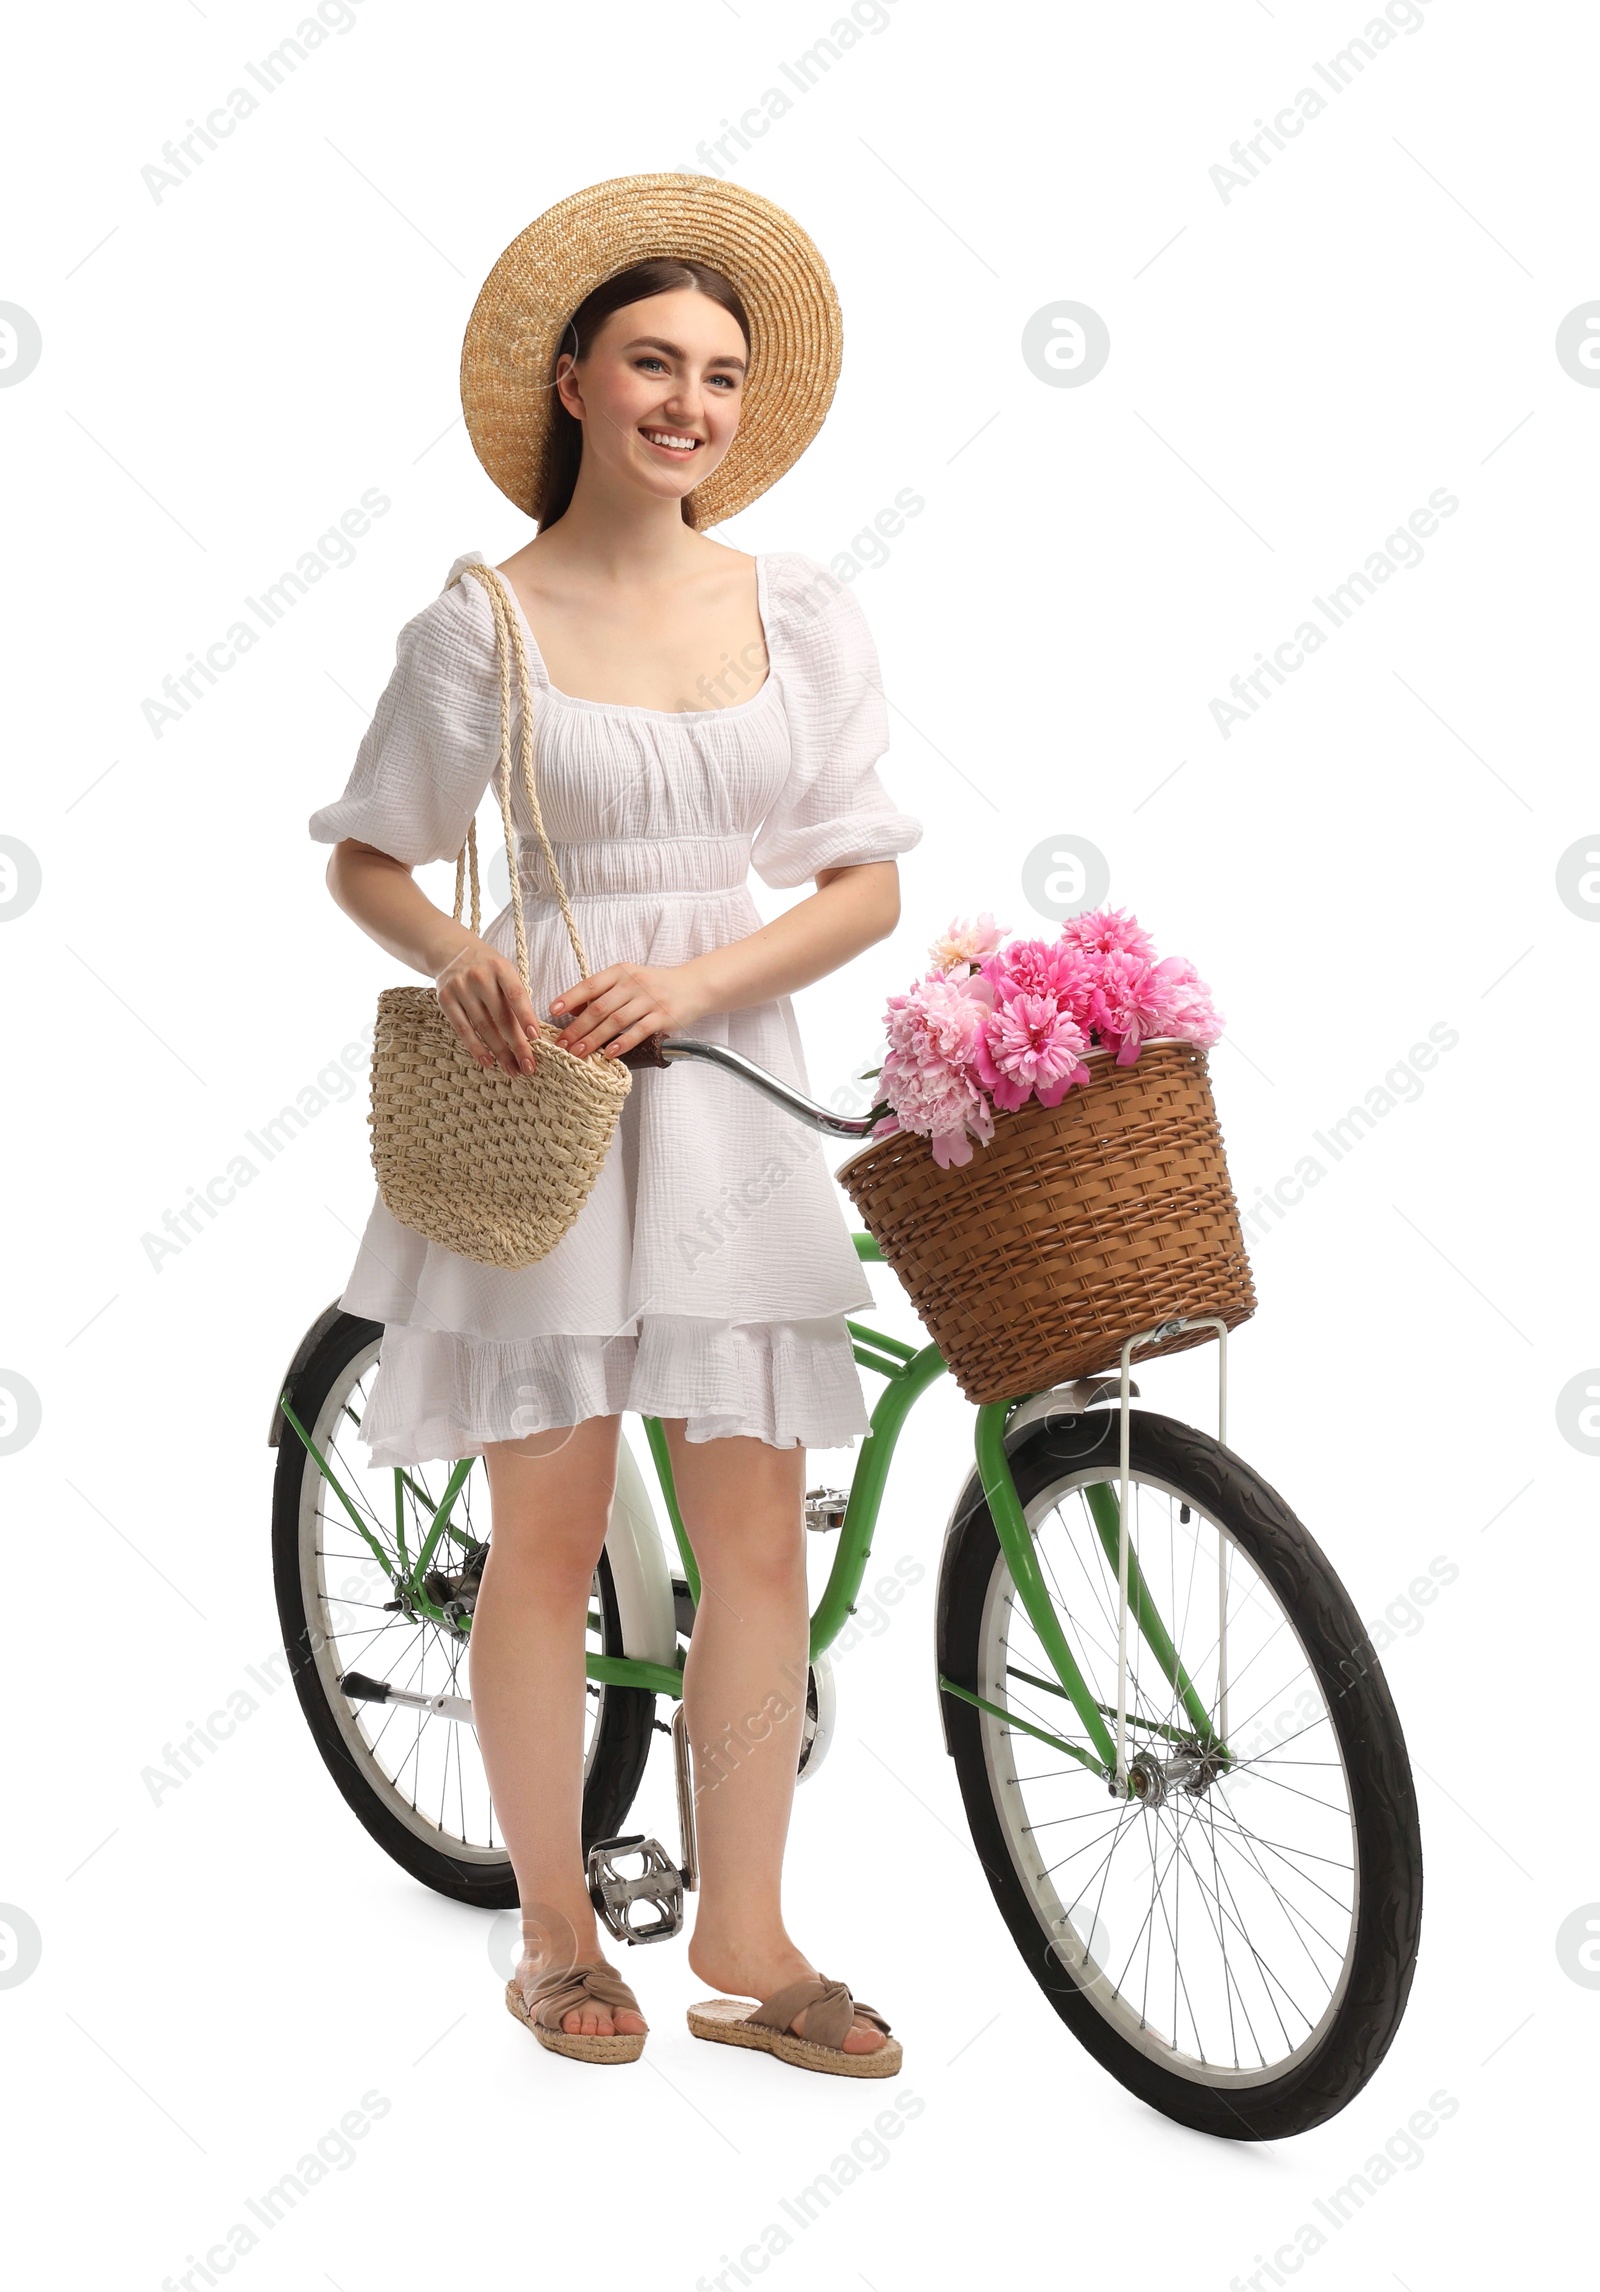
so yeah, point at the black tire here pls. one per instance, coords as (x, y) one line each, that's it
(620, 1743)
(1382, 1951)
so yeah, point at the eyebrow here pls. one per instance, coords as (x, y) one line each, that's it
(675, 350)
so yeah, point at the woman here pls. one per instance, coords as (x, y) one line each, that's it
(645, 358)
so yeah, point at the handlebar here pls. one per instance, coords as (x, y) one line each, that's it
(660, 1051)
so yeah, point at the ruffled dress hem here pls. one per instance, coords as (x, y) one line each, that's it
(785, 1383)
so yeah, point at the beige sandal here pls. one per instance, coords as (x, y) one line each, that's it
(829, 2009)
(562, 1988)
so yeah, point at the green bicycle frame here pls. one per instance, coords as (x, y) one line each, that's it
(907, 1371)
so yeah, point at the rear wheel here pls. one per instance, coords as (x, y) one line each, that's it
(413, 1777)
(1236, 1942)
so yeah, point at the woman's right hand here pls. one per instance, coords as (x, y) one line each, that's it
(482, 995)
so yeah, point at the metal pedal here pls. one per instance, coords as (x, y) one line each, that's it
(361, 1689)
(656, 1886)
(825, 1509)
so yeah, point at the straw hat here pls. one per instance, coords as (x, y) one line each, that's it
(519, 320)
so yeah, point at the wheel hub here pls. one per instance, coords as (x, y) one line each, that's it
(455, 1590)
(1152, 1779)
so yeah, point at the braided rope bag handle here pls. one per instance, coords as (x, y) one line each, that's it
(492, 1166)
(508, 635)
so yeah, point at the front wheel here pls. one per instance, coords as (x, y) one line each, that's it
(1234, 1942)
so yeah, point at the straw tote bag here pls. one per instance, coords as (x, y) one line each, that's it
(491, 1165)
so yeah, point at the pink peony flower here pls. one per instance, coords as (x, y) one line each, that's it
(1043, 967)
(1031, 1047)
(965, 941)
(994, 1025)
(1109, 931)
(1130, 1005)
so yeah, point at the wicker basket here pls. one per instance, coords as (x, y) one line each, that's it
(1074, 1228)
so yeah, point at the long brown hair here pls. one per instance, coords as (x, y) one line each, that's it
(636, 284)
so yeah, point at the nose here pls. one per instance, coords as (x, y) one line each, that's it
(686, 403)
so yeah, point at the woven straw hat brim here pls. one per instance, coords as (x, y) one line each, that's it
(520, 316)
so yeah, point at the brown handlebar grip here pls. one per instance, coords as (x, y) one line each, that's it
(647, 1053)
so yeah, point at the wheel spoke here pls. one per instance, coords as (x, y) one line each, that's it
(1220, 1946)
(425, 1768)
(1244, 1847)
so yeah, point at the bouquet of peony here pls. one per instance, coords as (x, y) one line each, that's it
(996, 1022)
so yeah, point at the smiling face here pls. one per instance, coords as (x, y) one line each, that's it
(658, 392)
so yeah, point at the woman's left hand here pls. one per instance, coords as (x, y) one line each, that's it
(619, 1007)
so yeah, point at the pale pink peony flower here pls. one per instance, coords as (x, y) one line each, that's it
(1109, 931)
(1031, 1048)
(936, 1021)
(952, 1149)
(965, 941)
(1187, 1001)
(934, 1033)
(950, 1113)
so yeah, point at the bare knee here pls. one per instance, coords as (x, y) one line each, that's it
(741, 1501)
(550, 1499)
(547, 1559)
(749, 1560)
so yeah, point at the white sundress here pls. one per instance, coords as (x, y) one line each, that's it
(708, 1274)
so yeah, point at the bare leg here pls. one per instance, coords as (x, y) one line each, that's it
(744, 1693)
(551, 1498)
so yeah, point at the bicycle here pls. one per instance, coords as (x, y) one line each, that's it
(1180, 1763)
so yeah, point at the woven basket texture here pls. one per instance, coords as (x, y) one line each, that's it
(1076, 1227)
(492, 1165)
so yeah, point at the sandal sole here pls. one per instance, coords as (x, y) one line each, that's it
(723, 2021)
(597, 2049)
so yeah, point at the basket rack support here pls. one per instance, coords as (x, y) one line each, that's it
(1165, 1329)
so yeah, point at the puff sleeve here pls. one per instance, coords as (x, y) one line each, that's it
(434, 742)
(833, 810)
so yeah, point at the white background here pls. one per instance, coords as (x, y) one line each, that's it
(1292, 372)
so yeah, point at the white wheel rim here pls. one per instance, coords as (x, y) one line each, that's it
(1236, 1940)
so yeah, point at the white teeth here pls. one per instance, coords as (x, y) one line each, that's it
(663, 438)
